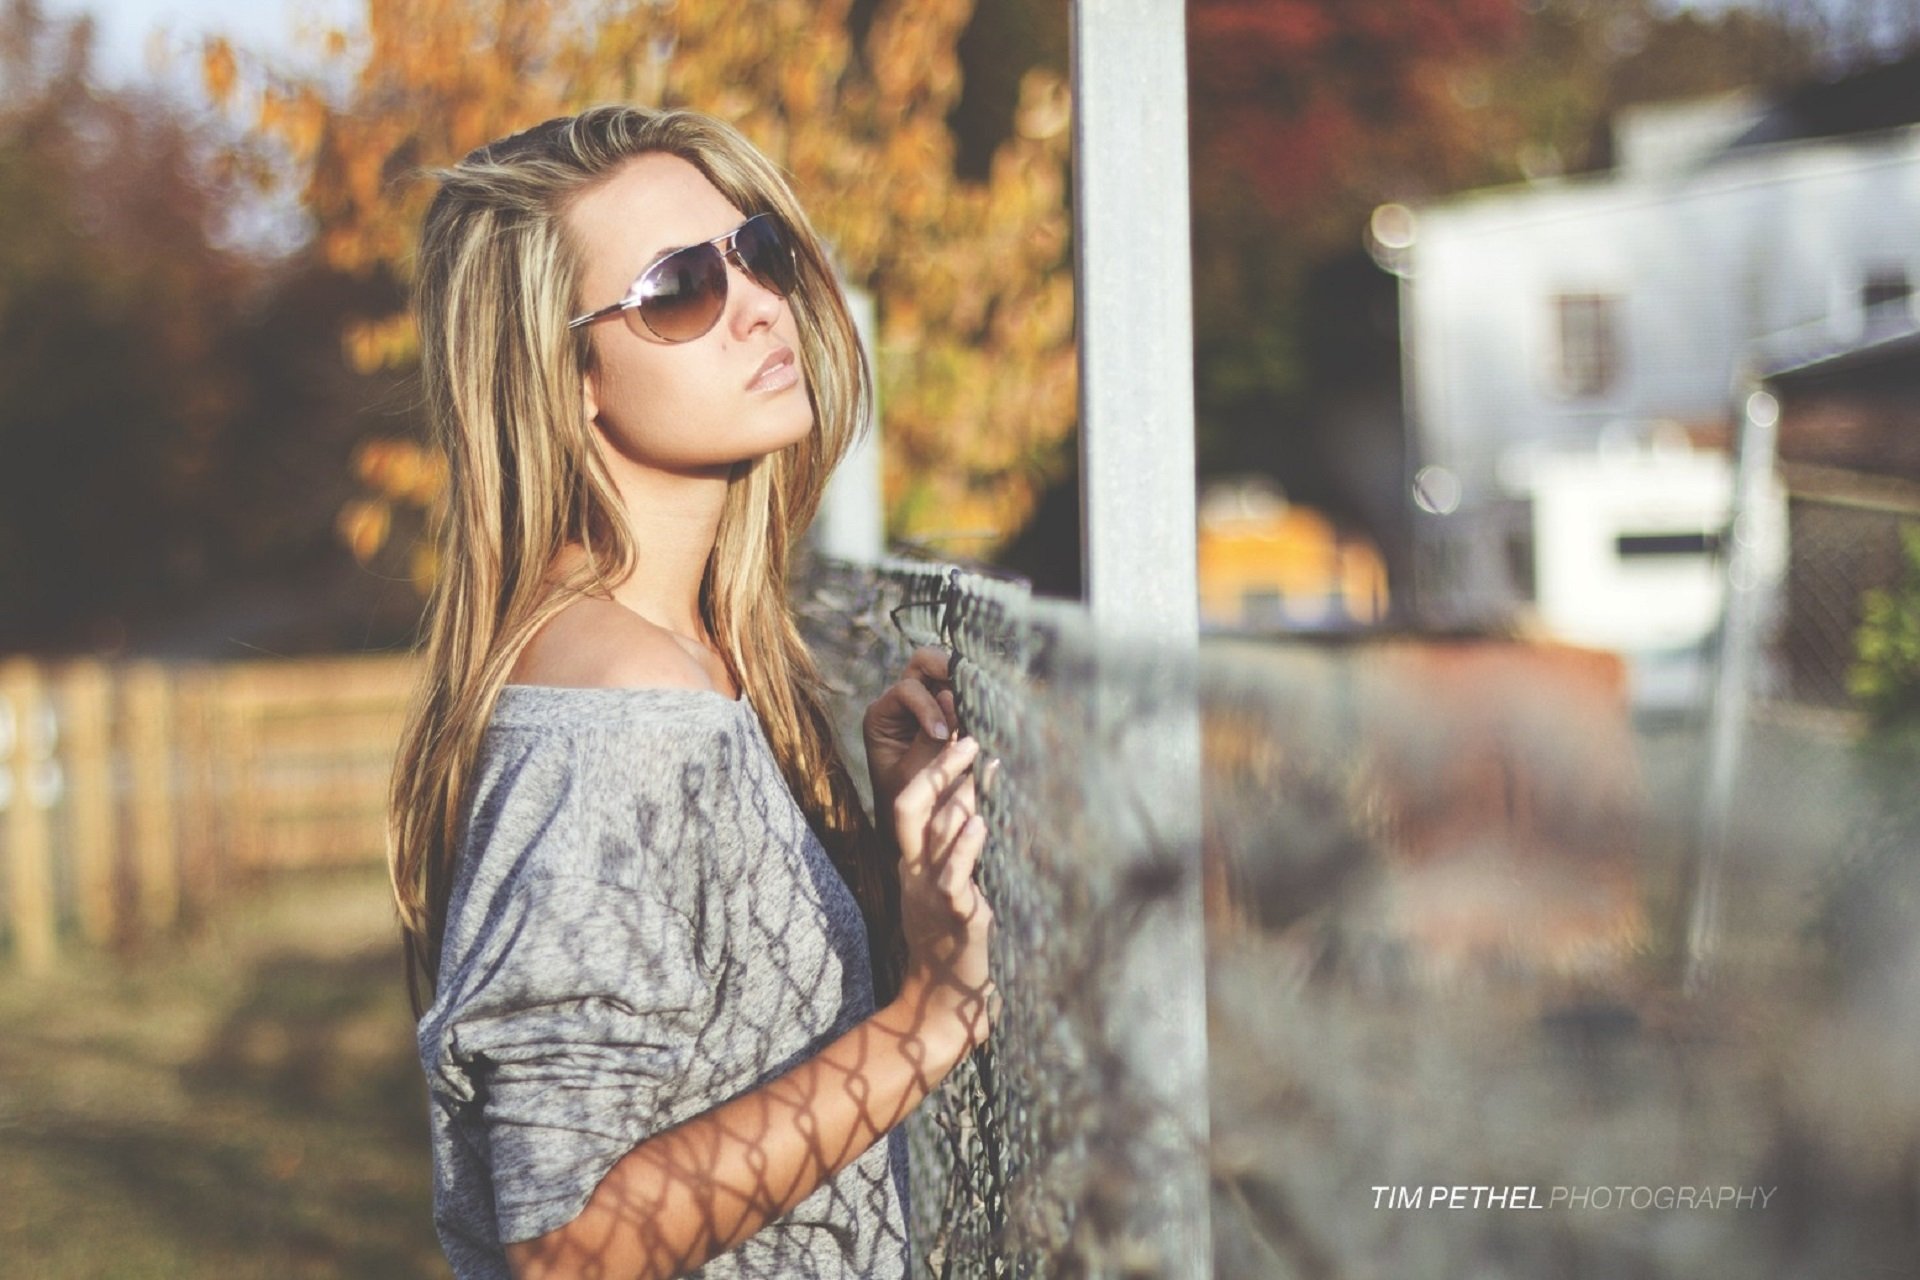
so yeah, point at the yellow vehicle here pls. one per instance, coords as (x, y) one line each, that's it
(1268, 564)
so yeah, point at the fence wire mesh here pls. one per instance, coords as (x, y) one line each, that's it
(1839, 548)
(1444, 881)
(1023, 1161)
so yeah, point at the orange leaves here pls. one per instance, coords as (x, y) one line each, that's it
(975, 350)
(399, 473)
(219, 69)
(362, 526)
(389, 343)
(913, 50)
(1046, 106)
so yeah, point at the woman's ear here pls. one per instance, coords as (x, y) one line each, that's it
(589, 396)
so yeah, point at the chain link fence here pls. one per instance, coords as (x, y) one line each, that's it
(1443, 884)
(1026, 1162)
(1843, 541)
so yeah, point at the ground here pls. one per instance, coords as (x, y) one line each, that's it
(242, 1103)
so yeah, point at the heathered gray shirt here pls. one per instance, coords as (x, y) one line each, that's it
(641, 926)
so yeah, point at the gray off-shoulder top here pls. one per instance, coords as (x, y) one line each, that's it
(642, 926)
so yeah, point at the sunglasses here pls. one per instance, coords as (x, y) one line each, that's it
(682, 295)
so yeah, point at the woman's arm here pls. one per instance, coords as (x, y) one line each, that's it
(698, 1189)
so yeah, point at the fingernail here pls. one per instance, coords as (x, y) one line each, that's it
(940, 729)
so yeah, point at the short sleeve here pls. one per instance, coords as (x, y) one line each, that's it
(571, 1041)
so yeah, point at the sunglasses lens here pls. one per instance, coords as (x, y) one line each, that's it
(684, 294)
(764, 251)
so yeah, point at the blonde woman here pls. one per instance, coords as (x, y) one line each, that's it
(675, 991)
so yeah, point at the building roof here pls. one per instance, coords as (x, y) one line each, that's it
(1886, 354)
(1882, 97)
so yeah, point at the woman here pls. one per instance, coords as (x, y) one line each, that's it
(681, 987)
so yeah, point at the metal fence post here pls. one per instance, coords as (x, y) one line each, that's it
(1134, 308)
(851, 516)
(1733, 684)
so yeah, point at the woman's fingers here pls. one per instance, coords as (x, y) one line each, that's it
(924, 792)
(945, 826)
(922, 709)
(930, 663)
(962, 789)
(961, 801)
(921, 701)
(929, 669)
(959, 859)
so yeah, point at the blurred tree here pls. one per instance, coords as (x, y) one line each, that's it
(1307, 114)
(1885, 676)
(1295, 99)
(167, 426)
(1003, 41)
(974, 354)
(111, 301)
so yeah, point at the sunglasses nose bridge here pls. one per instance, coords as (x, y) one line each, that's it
(732, 255)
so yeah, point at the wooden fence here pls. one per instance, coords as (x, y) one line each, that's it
(134, 795)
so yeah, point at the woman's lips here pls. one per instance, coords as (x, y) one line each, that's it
(778, 371)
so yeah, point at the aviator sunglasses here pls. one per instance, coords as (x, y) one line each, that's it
(681, 296)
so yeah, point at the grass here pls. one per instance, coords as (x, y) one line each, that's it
(242, 1103)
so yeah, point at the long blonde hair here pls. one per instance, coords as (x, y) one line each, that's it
(496, 281)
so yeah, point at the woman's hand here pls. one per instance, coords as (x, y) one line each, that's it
(943, 913)
(906, 726)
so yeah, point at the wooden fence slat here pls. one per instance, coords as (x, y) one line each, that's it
(149, 730)
(196, 703)
(241, 792)
(31, 906)
(86, 754)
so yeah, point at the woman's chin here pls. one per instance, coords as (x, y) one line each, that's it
(797, 431)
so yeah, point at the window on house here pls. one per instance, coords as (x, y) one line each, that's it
(1885, 287)
(1589, 346)
(1520, 563)
(1636, 546)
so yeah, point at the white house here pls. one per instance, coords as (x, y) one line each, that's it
(1598, 325)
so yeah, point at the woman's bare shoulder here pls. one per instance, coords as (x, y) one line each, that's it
(602, 644)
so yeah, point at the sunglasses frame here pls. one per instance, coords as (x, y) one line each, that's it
(728, 247)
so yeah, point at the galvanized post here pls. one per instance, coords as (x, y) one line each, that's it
(1733, 684)
(850, 522)
(1134, 307)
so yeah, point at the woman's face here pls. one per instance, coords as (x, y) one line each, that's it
(695, 406)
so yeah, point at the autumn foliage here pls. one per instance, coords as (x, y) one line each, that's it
(974, 358)
(1303, 100)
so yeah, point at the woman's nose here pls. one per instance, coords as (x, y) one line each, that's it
(756, 303)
